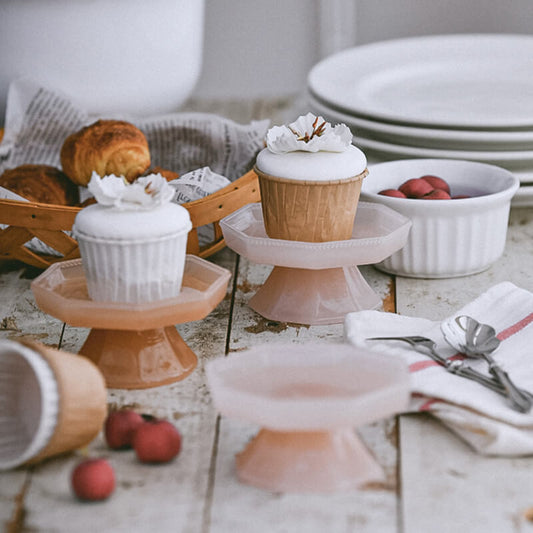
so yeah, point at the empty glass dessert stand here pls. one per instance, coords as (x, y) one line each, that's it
(135, 346)
(308, 399)
(316, 282)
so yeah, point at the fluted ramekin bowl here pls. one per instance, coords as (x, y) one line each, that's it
(448, 238)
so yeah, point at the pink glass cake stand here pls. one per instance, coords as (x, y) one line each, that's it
(316, 282)
(135, 346)
(308, 399)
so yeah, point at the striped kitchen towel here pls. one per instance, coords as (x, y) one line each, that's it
(478, 415)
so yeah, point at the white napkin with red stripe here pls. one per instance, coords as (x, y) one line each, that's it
(478, 415)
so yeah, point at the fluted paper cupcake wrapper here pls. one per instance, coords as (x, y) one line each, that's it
(134, 272)
(66, 407)
(309, 211)
(25, 427)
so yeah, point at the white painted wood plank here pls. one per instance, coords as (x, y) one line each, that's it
(239, 507)
(445, 485)
(178, 496)
(243, 508)
(19, 317)
(294, 512)
(165, 497)
(19, 314)
(48, 503)
(11, 495)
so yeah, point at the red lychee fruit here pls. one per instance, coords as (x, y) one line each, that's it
(436, 182)
(120, 426)
(392, 192)
(436, 194)
(156, 441)
(93, 480)
(415, 188)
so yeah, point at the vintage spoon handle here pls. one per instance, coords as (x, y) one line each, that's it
(456, 367)
(517, 399)
(474, 375)
(491, 383)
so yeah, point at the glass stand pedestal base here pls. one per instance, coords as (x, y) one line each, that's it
(135, 345)
(140, 359)
(316, 283)
(313, 297)
(307, 461)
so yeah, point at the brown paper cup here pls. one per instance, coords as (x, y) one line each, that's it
(309, 211)
(58, 403)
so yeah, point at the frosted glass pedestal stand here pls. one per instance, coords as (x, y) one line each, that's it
(135, 346)
(307, 399)
(316, 283)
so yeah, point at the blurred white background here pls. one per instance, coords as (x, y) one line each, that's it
(265, 48)
(252, 49)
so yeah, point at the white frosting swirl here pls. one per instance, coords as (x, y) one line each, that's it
(146, 192)
(309, 133)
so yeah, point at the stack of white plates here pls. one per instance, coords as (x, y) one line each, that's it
(451, 96)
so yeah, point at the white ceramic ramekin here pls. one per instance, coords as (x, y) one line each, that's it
(448, 238)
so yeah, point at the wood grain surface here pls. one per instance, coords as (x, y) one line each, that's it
(434, 482)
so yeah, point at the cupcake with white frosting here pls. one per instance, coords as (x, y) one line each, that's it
(310, 177)
(133, 240)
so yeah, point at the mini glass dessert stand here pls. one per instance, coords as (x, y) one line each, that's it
(308, 398)
(135, 346)
(316, 282)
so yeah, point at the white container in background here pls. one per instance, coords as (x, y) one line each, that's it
(448, 238)
(108, 56)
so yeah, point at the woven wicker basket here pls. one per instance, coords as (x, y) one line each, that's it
(26, 220)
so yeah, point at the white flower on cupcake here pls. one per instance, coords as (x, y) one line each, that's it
(309, 133)
(146, 192)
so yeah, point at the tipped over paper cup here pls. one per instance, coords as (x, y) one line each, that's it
(52, 402)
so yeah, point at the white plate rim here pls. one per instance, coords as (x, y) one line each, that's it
(359, 64)
(494, 157)
(496, 139)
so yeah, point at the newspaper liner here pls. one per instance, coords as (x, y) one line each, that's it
(309, 211)
(72, 406)
(212, 149)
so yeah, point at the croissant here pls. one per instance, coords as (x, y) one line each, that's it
(106, 147)
(41, 183)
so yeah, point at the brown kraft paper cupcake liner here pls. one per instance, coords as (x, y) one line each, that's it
(309, 211)
(82, 401)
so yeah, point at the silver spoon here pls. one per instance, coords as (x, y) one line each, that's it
(427, 347)
(474, 339)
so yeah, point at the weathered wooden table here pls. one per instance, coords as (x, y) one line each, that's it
(435, 483)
